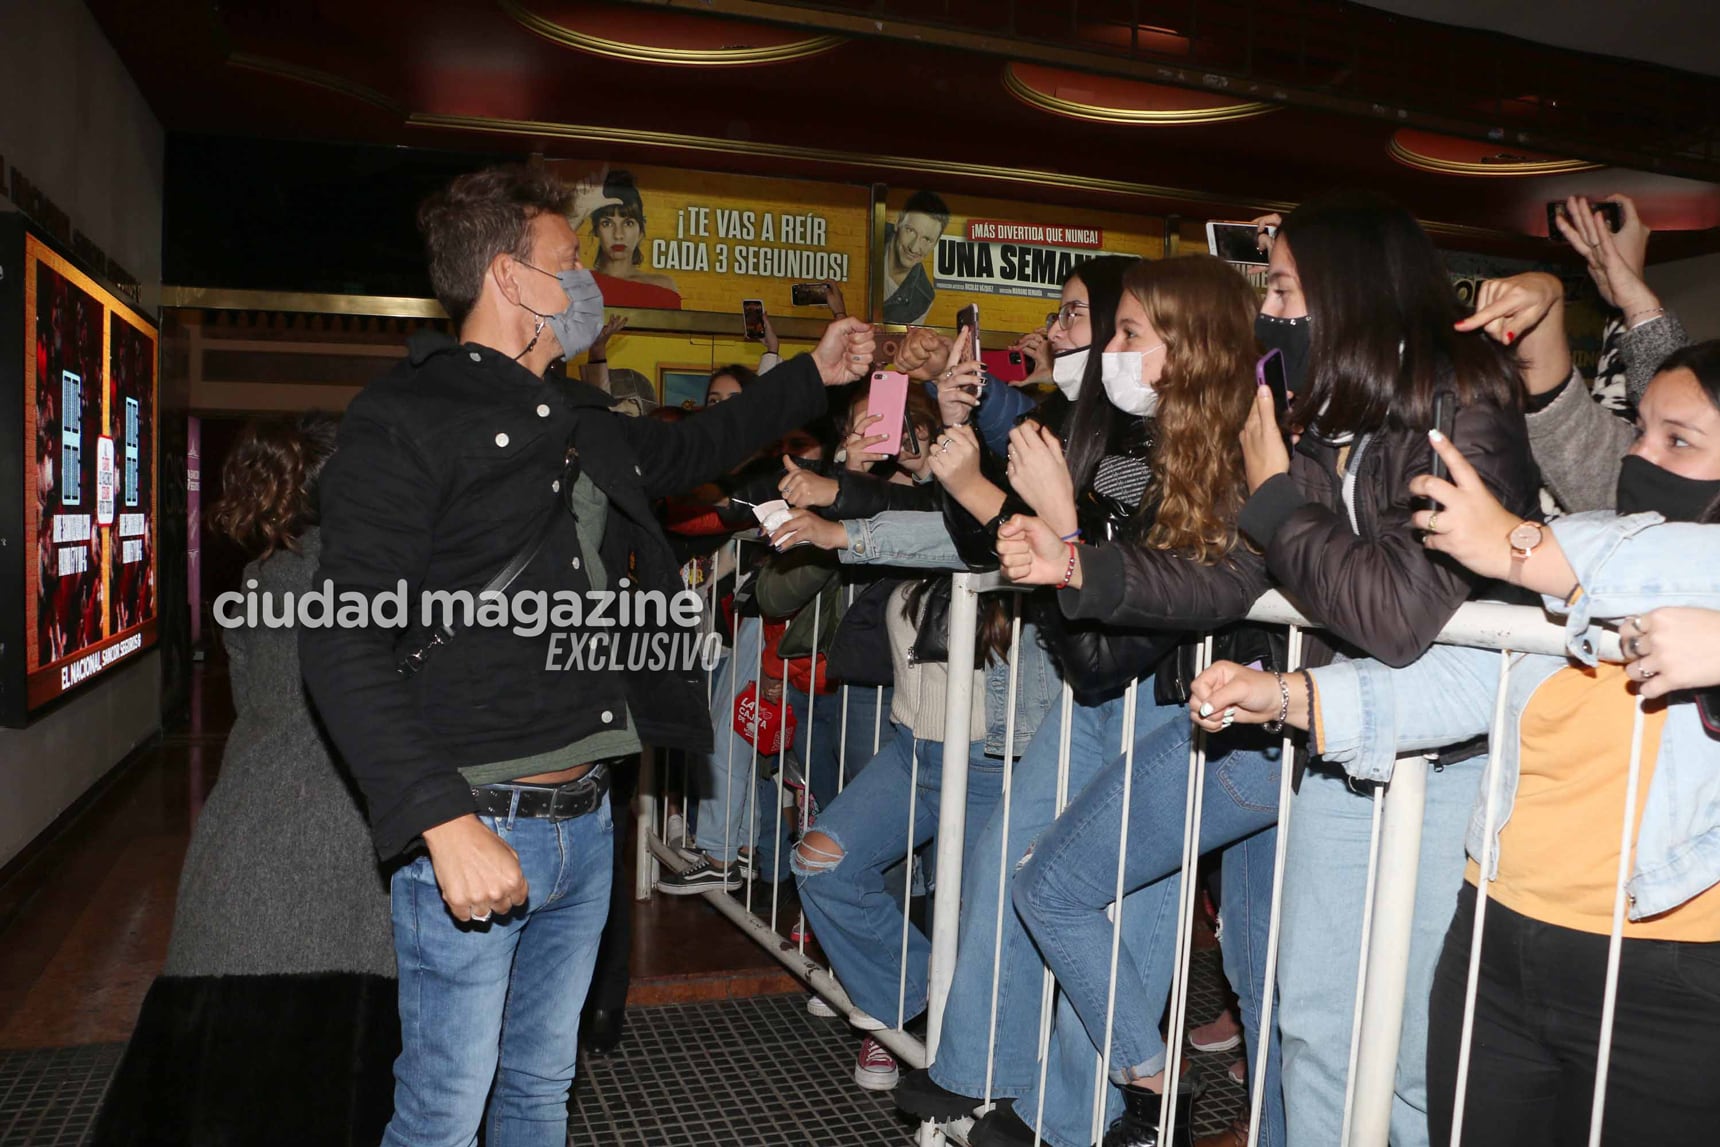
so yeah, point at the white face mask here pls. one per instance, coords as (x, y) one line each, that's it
(1121, 373)
(1068, 368)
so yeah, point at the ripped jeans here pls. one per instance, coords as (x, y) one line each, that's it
(847, 901)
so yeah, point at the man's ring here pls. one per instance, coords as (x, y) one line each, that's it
(1433, 522)
(1634, 645)
(477, 919)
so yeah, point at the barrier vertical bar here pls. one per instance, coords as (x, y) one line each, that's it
(1130, 700)
(1186, 896)
(1047, 985)
(1615, 943)
(1269, 988)
(1003, 848)
(1378, 801)
(1383, 995)
(1490, 823)
(645, 816)
(952, 825)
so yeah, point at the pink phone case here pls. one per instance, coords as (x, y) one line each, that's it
(889, 398)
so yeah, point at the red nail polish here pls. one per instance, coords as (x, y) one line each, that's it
(1508, 337)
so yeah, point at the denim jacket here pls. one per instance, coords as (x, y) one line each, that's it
(1626, 566)
(915, 539)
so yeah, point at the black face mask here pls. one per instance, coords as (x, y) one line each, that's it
(1290, 338)
(1643, 486)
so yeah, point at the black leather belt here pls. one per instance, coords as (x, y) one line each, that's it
(566, 801)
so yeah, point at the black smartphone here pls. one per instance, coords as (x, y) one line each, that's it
(752, 312)
(810, 294)
(1445, 421)
(1613, 213)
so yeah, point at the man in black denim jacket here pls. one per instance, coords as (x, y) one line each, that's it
(494, 754)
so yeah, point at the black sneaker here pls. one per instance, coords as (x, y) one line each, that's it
(919, 1096)
(1001, 1127)
(700, 876)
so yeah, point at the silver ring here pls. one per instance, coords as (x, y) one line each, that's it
(484, 919)
(1634, 644)
(1647, 673)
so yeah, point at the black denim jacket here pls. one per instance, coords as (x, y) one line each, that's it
(444, 468)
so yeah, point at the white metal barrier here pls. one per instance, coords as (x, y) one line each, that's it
(1389, 898)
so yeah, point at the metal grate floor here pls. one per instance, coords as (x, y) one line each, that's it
(49, 1097)
(743, 1073)
(748, 1073)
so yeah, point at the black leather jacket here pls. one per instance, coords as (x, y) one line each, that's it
(443, 471)
(1353, 564)
(1096, 657)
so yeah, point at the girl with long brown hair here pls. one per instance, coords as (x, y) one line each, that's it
(1171, 362)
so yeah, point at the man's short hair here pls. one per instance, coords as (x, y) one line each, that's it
(477, 217)
(928, 203)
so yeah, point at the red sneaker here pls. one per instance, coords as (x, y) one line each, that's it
(875, 1070)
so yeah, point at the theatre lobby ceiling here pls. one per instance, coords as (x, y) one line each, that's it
(1206, 109)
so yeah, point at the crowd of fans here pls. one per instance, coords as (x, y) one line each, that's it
(1140, 489)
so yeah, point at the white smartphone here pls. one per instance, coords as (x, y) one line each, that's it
(1236, 242)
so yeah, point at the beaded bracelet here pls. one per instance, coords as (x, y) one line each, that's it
(1069, 572)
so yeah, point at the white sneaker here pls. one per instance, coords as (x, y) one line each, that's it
(867, 1023)
(816, 1006)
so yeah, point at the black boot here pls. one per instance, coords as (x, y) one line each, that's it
(1139, 1125)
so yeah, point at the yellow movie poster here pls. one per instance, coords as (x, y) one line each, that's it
(938, 254)
(698, 241)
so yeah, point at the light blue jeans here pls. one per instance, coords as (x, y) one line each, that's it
(736, 806)
(1062, 891)
(498, 1002)
(848, 901)
(1325, 886)
(1096, 733)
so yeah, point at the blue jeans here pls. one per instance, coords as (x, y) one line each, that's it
(1325, 883)
(1062, 891)
(1095, 739)
(737, 800)
(847, 900)
(498, 1001)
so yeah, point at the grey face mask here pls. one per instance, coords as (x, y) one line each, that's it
(575, 327)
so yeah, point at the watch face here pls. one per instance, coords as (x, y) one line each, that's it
(1526, 536)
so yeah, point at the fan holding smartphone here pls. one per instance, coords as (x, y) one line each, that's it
(963, 381)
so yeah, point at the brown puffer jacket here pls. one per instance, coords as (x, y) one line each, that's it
(1341, 547)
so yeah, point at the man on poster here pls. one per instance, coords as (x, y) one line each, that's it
(486, 771)
(908, 290)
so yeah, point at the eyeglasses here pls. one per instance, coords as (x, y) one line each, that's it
(1064, 315)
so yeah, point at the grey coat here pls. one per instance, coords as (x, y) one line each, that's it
(280, 877)
(1578, 443)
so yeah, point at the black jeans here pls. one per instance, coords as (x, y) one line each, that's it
(1537, 1033)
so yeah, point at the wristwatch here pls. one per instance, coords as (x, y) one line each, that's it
(1523, 539)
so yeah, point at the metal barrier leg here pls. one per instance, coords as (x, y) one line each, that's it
(1383, 994)
(645, 816)
(952, 814)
